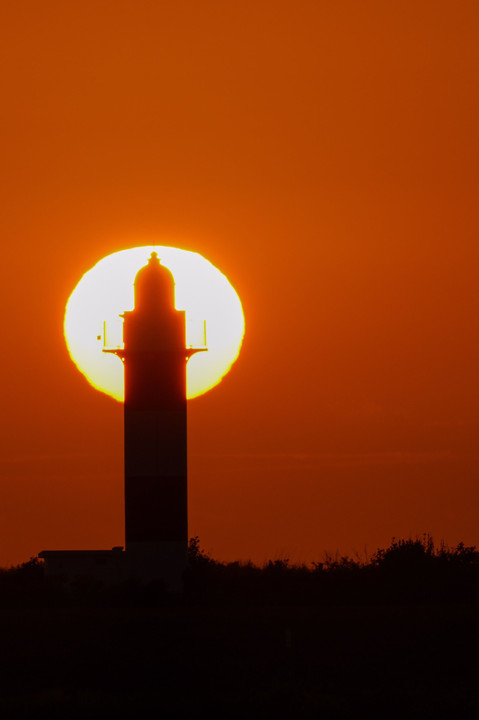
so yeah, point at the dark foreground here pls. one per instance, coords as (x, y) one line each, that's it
(396, 636)
(174, 662)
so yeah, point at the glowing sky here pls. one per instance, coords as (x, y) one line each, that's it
(322, 155)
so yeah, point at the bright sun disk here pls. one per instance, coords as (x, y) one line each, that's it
(92, 317)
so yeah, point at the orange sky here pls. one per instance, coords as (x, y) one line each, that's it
(324, 155)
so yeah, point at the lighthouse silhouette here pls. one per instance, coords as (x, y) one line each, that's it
(154, 354)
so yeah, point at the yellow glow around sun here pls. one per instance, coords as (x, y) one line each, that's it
(106, 291)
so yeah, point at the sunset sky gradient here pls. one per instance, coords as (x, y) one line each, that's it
(324, 156)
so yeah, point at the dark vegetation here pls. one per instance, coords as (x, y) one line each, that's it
(408, 571)
(393, 636)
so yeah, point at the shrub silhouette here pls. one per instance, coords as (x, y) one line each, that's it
(408, 570)
(405, 554)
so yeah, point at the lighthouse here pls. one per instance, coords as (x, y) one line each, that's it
(154, 354)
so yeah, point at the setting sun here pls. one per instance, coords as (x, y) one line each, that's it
(213, 314)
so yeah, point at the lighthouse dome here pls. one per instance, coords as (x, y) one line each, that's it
(154, 287)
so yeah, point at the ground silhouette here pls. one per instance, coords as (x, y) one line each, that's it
(394, 635)
(409, 570)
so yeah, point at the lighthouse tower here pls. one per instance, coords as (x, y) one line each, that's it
(154, 354)
(155, 357)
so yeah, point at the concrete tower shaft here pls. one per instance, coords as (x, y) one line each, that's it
(155, 356)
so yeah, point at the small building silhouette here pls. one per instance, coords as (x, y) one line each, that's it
(154, 354)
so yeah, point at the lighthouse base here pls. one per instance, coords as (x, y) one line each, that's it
(165, 560)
